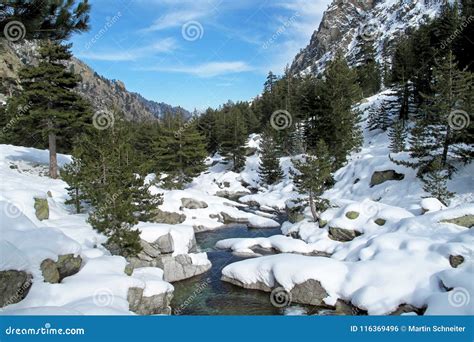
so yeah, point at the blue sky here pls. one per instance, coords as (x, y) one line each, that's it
(196, 53)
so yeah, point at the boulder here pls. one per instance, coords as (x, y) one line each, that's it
(231, 195)
(167, 217)
(68, 265)
(41, 208)
(164, 244)
(180, 267)
(407, 308)
(348, 309)
(55, 271)
(14, 286)
(456, 260)
(380, 177)
(464, 221)
(50, 271)
(229, 219)
(190, 203)
(352, 215)
(380, 222)
(294, 212)
(253, 286)
(343, 235)
(309, 292)
(154, 305)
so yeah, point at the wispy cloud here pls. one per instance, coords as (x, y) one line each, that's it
(207, 70)
(159, 47)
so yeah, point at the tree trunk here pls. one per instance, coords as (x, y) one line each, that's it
(78, 202)
(53, 158)
(312, 206)
(444, 158)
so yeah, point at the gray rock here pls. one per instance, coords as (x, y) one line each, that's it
(128, 269)
(55, 271)
(380, 222)
(41, 208)
(456, 260)
(14, 286)
(464, 221)
(294, 212)
(190, 203)
(180, 267)
(164, 244)
(50, 271)
(229, 219)
(380, 177)
(309, 292)
(408, 308)
(68, 265)
(348, 309)
(343, 235)
(154, 305)
(230, 195)
(254, 286)
(167, 217)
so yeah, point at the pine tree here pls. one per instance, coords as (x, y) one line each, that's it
(398, 136)
(232, 138)
(380, 116)
(313, 177)
(179, 151)
(72, 174)
(54, 109)
(368, 70)
(435, 182)
(269, 168)
(433, 136)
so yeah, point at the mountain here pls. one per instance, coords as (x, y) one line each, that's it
(100, 91)
(348, 23)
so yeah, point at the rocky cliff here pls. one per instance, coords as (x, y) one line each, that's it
(347, 23)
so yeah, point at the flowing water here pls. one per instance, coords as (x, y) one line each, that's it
(206, 294)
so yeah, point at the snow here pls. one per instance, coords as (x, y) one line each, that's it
(404, 259)
(183, 236)
(101, 285)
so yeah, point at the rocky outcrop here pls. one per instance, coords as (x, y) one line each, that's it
(180, 267)
(190, 203)
(231, 195)
(41, 208)
(380, 177)
(14, 286)
(228, 219)
(154, 305)
(464, 221)
(343, 235)
(408, 308)
(168, 217)
(55, 271)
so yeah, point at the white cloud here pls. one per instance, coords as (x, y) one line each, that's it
(159, 47)
(206, 70)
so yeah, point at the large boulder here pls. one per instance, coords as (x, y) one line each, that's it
(154, 305)
(464, 221)
(190, 203)
(168, 217)
(41, 208)
(231, 195)
(380, 177)
(343, 235)
(55, 271)
(309, 292)
(456, 260)
(228, 219)
(180, 267)
(164, 244)
(14, 286)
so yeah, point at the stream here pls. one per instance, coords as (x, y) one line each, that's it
(206, 294)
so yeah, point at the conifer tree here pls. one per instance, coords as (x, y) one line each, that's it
(368, 71)
(269, 169)
(379, 116)
(313, 177)
(398, 137)
(435, 182)
(72, 174)
(54, 109)
(179, 151)
(233, 135)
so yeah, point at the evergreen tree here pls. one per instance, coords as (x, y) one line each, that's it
(313, 177)
(270, 82)
(368, 71)
(380, 116)
(398, 137)
(269, 168)
(233, 135)
(179, 151)
(435, 182)
(434, 136)
(54, 109)
(73, 175)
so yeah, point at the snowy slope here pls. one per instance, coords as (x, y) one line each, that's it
(405, 260)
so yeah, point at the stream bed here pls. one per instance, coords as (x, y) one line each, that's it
(206, 294)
